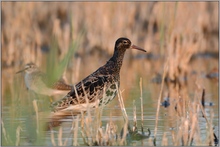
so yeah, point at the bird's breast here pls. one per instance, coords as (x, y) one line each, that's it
(28, 80)
(109, 93)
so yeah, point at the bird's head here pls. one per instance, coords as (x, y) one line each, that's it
(123, 44)
(30, 67)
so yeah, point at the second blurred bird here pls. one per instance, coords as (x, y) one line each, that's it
(38, 82)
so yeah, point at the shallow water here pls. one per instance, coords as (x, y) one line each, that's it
(21, 113)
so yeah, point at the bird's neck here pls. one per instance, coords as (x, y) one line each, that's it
(117, 59)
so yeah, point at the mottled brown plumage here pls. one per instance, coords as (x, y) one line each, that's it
(99, 88)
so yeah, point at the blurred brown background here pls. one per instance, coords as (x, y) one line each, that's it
(28, 26)
(165, 29)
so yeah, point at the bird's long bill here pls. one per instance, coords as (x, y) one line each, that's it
(20, 71)
(138, 48)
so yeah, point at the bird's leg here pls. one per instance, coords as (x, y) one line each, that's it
(51, 99)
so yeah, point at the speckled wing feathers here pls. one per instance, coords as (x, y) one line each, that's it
(61, 85)
(58, 85)
(91, 89)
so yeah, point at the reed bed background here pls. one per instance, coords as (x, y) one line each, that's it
(181, 39)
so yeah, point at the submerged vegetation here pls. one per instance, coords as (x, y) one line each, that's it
(167, 97)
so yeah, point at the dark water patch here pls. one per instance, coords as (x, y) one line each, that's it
(166, 102)
(206, 54)
(212, 75)
(148, 56)
(158, 79)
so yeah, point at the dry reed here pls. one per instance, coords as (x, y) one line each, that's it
(159, 100)
(142, 108)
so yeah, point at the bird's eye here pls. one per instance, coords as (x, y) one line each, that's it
(124, 42)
